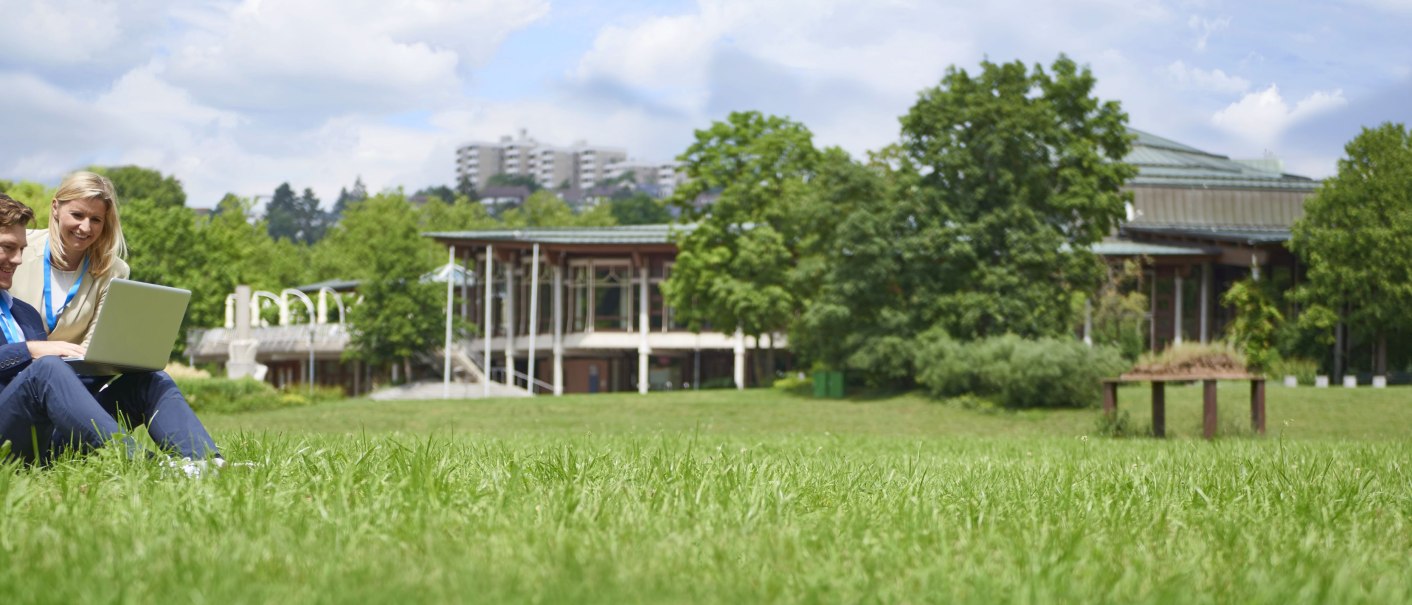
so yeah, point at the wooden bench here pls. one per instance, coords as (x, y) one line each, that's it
(1208, 384)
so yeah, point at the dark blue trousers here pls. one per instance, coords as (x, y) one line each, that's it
(47, 408)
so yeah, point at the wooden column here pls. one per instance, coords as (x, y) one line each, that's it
(1257, 405)
(1110, 398)
(1159, 408)
(1208, 409)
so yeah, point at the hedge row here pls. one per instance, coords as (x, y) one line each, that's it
(1015, 372)
(226, 395)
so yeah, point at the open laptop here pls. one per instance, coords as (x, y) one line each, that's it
(134, 330)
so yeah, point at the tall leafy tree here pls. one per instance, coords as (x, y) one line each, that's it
(295, 218)
(282, 213)
(242, 252)
(164, 248)
(1019, 174)
(460, 214)
(639, 209)
(358, 193)
(399, 315)
(505, 179)
(138, 183)
(1356, 239)
(733, 270)
(34, 195)
(545, 209)
(984, 218)
(441, 192)
(466, 189)
(313, 220)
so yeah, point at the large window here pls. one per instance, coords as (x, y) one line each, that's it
(524, 313)
(600, 296)
(612, 297)
(580, 279)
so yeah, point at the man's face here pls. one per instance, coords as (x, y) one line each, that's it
(12, 247)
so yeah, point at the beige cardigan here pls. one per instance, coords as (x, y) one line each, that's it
(76, 322)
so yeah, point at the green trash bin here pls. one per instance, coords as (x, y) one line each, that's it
(836, 385)
(828, 384)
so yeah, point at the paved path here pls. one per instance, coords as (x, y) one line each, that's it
(435, 390)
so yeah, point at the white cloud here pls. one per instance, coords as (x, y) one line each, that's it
(1205, 27)
(327, 58)
(58, 32)
(1260, 117)
(240, 95)
(673, 56)
(1214, 80)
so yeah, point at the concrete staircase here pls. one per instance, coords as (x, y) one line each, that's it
(468, 382)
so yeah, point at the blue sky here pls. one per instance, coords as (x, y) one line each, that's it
(239, 96)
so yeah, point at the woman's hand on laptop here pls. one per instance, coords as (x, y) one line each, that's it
(44, 348)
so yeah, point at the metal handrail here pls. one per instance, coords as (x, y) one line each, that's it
(498, 375)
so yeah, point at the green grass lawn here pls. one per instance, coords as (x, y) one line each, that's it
(730, 497)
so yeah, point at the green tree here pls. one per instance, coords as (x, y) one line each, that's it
(164, 248)
(545, 209)
(347, 196)
(281, 214)
(441, 192)
(979, 222)
(138, 183)
(241, 251)
(1019, 175)
(733, 270)
(462, 215)
(399, 315)
(295, 218)
(1256, 321)
(1356, 239)
(504, 179)
(35, 195)
(857, 315)
(639, 209)
(466, 189)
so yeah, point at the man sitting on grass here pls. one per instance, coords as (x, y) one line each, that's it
(44, 406)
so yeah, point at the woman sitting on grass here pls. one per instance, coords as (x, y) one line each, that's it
(65, 274)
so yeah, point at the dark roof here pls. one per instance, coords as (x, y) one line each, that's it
(1164, 162)
(515, 191)
(621, 234)
(1233, 235)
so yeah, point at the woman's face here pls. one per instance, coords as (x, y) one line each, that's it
(80, 222)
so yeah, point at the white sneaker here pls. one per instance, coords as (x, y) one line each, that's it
(197, 469)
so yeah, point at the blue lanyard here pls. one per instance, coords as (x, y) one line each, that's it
(51, 317)
(7, 321)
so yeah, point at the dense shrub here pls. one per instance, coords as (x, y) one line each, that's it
(1303, 370)
(1015, 372)
(225, 395)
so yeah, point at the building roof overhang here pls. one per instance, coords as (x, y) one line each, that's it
(1228, 235)
(637, 238)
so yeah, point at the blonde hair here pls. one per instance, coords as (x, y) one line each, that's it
(84, 185)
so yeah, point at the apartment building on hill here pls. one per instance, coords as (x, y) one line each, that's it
(578, 167)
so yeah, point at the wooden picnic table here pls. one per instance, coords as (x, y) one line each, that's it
(1208, 384)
